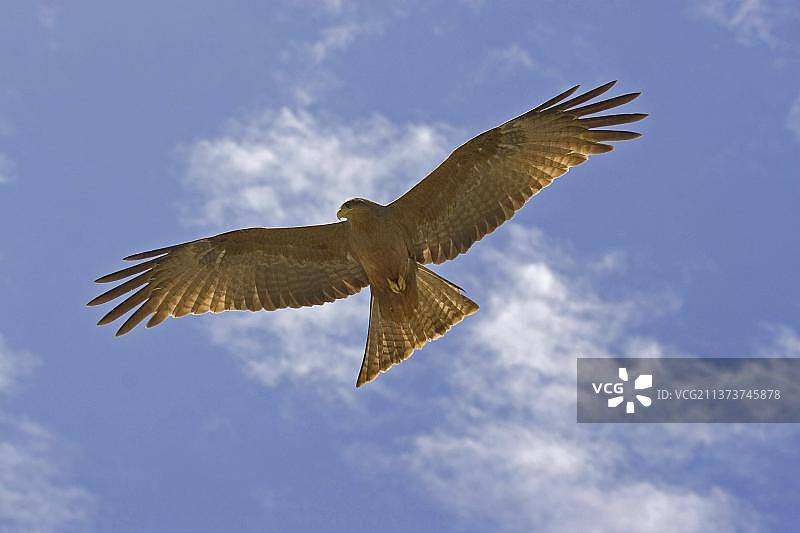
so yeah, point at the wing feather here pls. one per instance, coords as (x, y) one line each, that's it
(250, 269)
(604, 104)
(585, 97)
(488, 178)
(556, 99)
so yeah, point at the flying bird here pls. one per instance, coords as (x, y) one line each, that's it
(386, 247)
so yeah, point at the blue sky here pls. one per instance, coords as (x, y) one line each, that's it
(129, 127)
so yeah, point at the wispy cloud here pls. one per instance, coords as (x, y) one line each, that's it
(613, 261)
(6, 169)
(782, 340)
(339, 37)
(334, 6)
(306, 72)
(751, 21)
(47, 15)
(35, 494)
(14, 364)
(793, 118)
(512, 56)
(510, 60)
(475, 5)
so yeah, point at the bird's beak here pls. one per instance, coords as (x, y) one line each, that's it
(341, 213)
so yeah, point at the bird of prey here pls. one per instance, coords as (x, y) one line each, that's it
(477, 188)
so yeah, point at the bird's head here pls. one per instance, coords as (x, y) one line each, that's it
(355, 208)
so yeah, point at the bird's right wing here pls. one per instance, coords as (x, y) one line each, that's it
(249, 269)
(488, 178)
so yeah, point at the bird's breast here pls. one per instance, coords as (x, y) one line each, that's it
(382, 251)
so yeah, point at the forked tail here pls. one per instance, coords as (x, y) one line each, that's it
(389, 342)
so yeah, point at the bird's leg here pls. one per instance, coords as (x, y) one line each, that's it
(397, 286)
(393, 286)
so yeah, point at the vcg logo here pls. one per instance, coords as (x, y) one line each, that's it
(644, 381)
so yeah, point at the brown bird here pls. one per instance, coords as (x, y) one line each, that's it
(471, 193)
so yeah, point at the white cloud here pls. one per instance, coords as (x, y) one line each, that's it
(793, 118)
(290, 167)
(535, 479)
(6, 169)
(14, 364)
(339, 37)
(783, 341)
(475, 5)
(47, 14)
(513, 56)
(315, 345)
(306, 88)
(751, 21)
(509, 61)
(613, 261)
(335, 6)
(35, 497)
(304, 74)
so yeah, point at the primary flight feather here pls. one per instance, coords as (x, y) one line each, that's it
(471, 193)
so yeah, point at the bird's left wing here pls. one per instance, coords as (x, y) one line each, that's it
(488, 178)
(249, 269)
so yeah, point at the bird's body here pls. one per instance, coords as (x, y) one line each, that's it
(382, 247)
(471, 193)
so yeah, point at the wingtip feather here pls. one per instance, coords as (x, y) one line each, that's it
(129, 324)
(603, 105)
(554, 100)
(127, 272)
(148, 254)
(599, 148)
(612, 120)
(612, 135)
(585, 97)
(606, 86)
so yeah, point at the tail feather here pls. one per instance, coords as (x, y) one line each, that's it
(389, 342)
